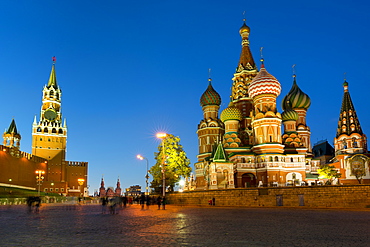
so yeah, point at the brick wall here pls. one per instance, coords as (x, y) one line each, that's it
(350, 196)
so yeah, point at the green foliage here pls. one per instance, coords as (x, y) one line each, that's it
(328, 172)
(176, 164)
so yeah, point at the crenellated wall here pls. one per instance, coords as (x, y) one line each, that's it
(351, 196)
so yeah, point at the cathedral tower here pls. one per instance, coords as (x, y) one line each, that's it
(349, 138)
(210, 128)
(49, 134)
(245, 72)
(299, 102)
(266, 120)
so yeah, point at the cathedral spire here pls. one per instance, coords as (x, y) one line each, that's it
(348, 120)
(246, 61)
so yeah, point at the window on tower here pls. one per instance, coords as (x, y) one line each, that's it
(60, 131)
(46, 130)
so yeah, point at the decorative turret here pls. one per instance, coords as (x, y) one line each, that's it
(210, 128)
(11, 136)
(266, 120)
(231, 116)
(102, 191)
(349, 137)
(298, 101)
(118, 190)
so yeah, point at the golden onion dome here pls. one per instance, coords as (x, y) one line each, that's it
(244, 29)
(231, 113)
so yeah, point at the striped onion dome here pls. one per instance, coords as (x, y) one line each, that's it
(296, 98)
(289, 115)
(231, 113)
(210, 96)
(264, 83)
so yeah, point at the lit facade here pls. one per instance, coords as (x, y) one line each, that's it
(251, 143)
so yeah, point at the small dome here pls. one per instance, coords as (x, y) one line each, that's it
(296, 98)
(289, 115)
(244, 29)
(210, 97)
(231, 113)
(264, 83)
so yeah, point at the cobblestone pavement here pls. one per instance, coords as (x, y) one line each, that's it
(85, 225)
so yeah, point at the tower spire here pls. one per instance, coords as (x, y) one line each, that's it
(53, 77)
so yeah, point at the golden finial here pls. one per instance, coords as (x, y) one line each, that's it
(293, 68)
(244, 16)
(209, 75)
(261, 55)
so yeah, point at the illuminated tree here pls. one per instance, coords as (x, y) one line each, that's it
(328, 172)
(176, 164)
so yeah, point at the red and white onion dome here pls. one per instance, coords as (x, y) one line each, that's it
(264, 83)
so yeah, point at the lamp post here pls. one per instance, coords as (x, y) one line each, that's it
(39, 178)
(147, 175)
(81, 182)
(163, 136)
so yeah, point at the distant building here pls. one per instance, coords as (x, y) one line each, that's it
(49, 139)
(110, 192)
(323, 151)
(134, 190)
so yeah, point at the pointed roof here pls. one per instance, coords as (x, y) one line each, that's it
(220, 154)
(348, 121)
(246, 61)
(53, 78)
(12, 128)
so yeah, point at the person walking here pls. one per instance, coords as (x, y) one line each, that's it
(159, 202)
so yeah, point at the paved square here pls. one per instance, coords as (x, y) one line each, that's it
(85, 225)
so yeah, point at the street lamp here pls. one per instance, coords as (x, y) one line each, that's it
(81, 182)
(39, 178)
(147, 175)
(163, 136)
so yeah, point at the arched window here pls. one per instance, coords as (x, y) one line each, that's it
(51, 93)
(276, 158)
(60, 131)
(38, 129)
(46, 130)
(53, 130)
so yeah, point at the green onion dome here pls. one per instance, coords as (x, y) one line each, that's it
(231, 113)
(289, 115)
(296, 98)
(210, 96)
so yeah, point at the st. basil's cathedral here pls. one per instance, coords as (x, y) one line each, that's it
(245, 146)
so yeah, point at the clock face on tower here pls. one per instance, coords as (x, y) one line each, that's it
(50, 115)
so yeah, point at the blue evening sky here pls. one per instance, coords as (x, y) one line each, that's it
(128, 69)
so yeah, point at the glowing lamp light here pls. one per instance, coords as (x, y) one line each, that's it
(139, 157)
(161, 135)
